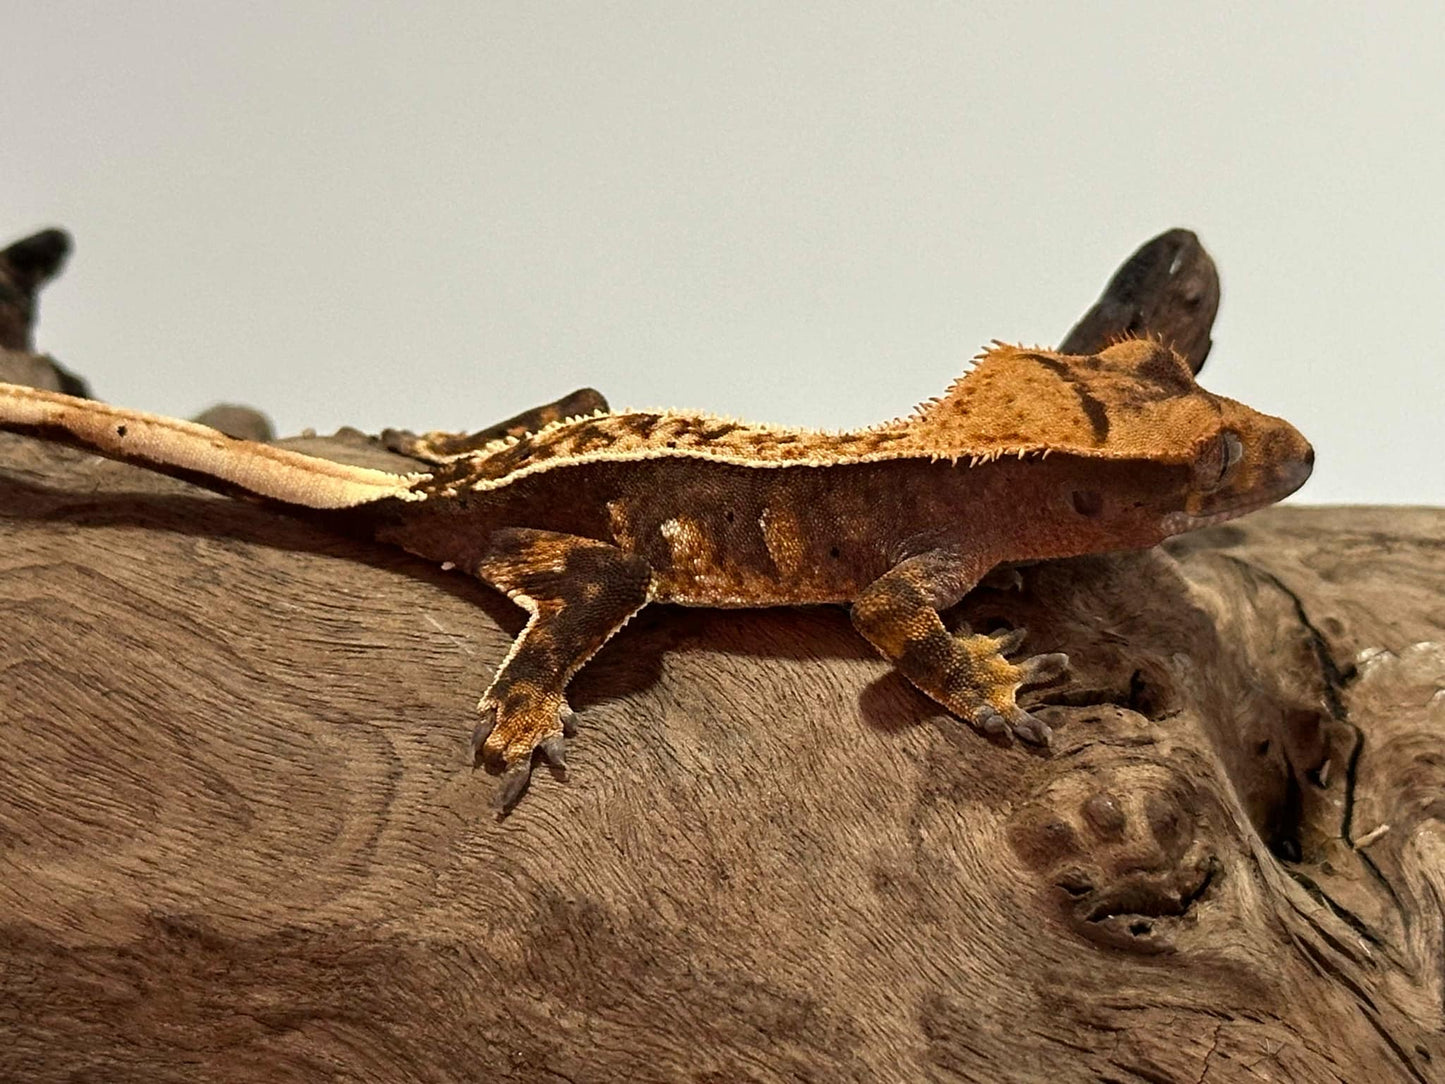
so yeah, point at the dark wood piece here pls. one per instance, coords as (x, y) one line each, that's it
(25, 267)
(241, 422)
(1169, 289)
(242, 839)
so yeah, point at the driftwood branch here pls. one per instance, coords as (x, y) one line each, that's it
(1169, 288)
(242, 840)
(25, 267)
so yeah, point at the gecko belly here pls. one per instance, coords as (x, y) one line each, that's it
(740, 594)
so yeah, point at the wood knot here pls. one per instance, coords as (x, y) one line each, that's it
(1123, 857)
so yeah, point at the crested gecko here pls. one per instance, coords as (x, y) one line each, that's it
(584, 520)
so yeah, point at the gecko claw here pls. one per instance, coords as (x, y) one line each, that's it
(568, 718)
(512, 785)
(554, 749)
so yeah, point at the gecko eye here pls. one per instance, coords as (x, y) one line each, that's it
(1216, 466)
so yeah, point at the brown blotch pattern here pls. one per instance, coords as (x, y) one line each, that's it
(1136, 399)
(786, 540)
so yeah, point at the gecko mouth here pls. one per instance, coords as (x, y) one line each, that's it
(1180, 522)
(1289, 480)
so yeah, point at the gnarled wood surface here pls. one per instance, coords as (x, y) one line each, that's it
(241, 839)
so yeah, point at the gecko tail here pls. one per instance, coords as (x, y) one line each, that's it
(198, 453)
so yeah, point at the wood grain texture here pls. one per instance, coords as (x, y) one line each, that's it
(242, 842)
(240, 839)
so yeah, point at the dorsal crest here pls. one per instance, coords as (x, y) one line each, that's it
(1136, 399)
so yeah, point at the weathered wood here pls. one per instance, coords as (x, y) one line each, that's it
(1168, 288)
(242, 840)
(25, 267)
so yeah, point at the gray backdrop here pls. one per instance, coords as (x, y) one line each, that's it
(436, 215)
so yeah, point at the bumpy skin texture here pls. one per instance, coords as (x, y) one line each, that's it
(584, 521)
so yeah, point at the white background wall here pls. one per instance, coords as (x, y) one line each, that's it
(436, 215)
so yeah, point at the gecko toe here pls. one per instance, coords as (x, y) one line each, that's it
(1031, 729)
(1041, 668)
(401, 441)
(1008, 640)
(568, 718)
(991, 722)
(1004, 578)
(482, 731)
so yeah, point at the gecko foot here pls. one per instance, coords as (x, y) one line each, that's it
(510, 731)
(553, 748)
(980, 685)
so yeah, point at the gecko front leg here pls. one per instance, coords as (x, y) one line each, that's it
(578, 592)
(969, 675)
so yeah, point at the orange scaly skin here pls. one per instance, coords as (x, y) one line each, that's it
(584, 521)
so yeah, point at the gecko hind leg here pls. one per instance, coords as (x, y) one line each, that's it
(969, 675)
(578, 592)
(440, 447)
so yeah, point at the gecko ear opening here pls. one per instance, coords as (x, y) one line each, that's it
(1087, 502)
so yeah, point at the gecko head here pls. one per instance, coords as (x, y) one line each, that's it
(1169, 456)
(1135, 400)
(1250, 461)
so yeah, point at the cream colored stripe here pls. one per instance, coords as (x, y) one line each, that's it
(282, 475)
